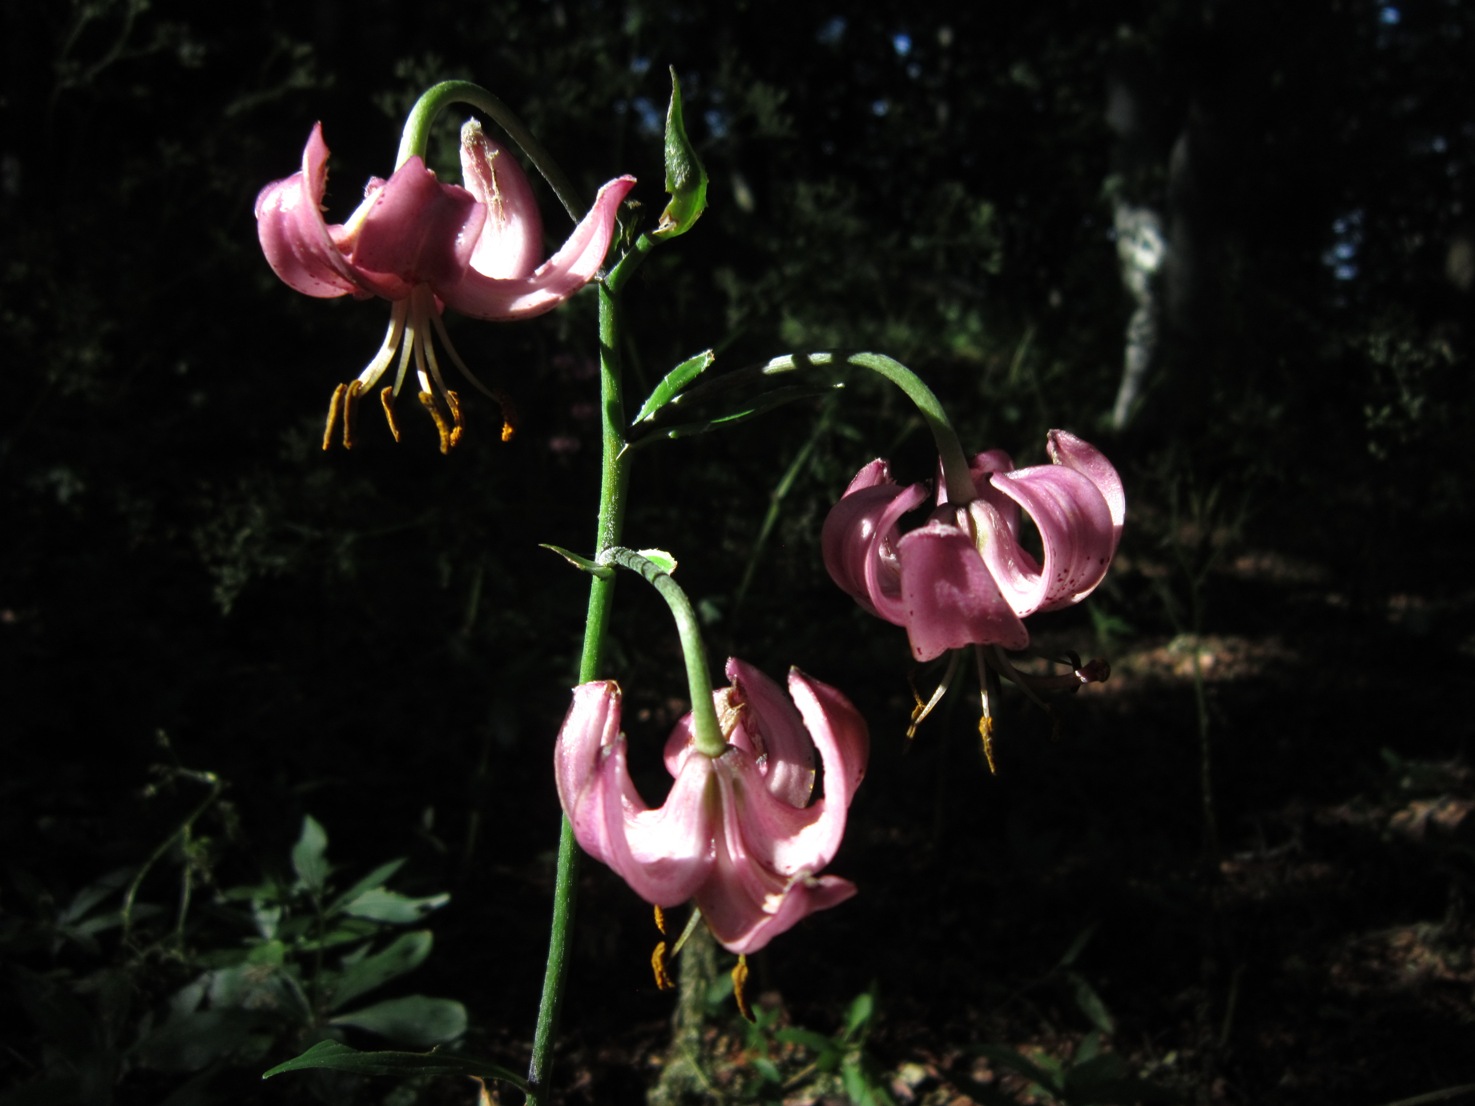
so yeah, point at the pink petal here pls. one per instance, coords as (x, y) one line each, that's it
(591, 726)
(745, 903)
(1076, 532)
(511, 241)
(859, 540)
(413, 230)
(950, 599)
(1068, 450)
(664, 854)
(775, 733)
(485, 296)
(293, 234)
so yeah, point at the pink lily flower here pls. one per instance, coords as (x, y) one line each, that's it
(963, 578)
(735, 833)
(424, 245)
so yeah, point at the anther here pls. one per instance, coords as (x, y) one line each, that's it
(350, 411)
(386, 399)
(659, 966)
(335, 411)
(739, 985)
(428, 402)
(453, 401)
(986, 731)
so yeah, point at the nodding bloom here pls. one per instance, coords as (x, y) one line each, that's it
(424, 245)
(963, 577)
(737, 832)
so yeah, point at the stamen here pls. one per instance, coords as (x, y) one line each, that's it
(659, 966)
(386, 398)
(986, 731)
(739, 983)
(661, 921)
(453, 401)
(428, 402)
(350, 411)
(335, 411)
(921, 710)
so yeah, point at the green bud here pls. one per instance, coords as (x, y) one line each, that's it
(686, 180)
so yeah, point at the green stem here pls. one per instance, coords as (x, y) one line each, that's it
(956, 477)
(706, 732)
(614, 484)
(416, 136)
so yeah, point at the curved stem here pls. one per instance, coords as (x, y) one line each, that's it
(958, 480)
(437, 98)
(705, 731)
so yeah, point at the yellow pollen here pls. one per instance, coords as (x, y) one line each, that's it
(386, 399)
(659, 966)
(739, 985)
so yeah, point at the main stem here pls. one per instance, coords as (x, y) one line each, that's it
(613, 484)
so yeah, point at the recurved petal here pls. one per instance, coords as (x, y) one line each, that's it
(775, 733)
(745, 902)
(485, 296)
(590, 729)
(511, 239)
(1076, 533)
(858, 541)
(665, 854)
(948, 596)
(1068, 450)
(293, 234)
(413, 230)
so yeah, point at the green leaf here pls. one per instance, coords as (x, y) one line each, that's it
(411, 1020)
(673, 382)
(686, 179)
(405, 953)
(1006, 1057)
(860, 1012)
(1090, 1004)
(336, 1056)
(309, 855)
(377, 878)
(1083, 938)
(382, 905)
(751, 408)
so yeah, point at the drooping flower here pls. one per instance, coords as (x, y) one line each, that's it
(963, 577)
(737, 832)
(425, 245)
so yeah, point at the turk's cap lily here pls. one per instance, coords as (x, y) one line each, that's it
(737, 832)
(476, 247)
(425, 245)
(963, 577)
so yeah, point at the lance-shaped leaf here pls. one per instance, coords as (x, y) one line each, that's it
(686, 179)
(336, 1056)
(673, 382)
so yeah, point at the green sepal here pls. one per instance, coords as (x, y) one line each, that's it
(686, 179)
(336, 1056)
(673, 382)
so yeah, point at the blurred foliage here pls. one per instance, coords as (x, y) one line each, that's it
(121, 999)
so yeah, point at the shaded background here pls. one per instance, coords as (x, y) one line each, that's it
(1232, 250)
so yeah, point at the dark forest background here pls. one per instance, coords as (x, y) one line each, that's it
(1231, 243)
